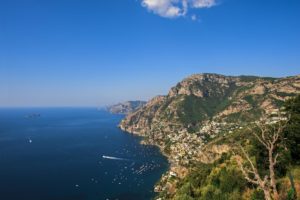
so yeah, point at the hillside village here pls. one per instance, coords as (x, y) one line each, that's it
(185, 121)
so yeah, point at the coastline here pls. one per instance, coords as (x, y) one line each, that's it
(178, 167)
(162, 184)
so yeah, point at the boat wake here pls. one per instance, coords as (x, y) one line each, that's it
(114, 158)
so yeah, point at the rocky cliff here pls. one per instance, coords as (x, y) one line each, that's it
(126, 107)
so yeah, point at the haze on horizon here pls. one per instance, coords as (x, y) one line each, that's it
(94, 53)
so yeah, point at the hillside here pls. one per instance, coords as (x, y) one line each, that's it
(189, 123)
(200, 99)
(208, 105)
(126, 107)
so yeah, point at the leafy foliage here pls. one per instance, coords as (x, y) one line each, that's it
(292, 132)
(216, 181)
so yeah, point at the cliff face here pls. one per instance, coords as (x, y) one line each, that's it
(126, 107)
(202, 106)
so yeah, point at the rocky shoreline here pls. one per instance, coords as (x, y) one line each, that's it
(174, 172)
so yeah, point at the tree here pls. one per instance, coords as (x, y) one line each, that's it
(270, 136)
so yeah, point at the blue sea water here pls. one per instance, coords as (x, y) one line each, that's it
(59, 156)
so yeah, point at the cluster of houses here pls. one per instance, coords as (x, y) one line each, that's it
(184, 147)
(275, 116)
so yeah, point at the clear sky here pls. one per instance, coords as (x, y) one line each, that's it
(97, 52)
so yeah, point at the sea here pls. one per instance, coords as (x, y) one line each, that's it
(73, 154)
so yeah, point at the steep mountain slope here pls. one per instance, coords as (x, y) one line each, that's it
(126, 107)
(189, 122)
(203, 98)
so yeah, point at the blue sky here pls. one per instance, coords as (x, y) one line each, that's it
(98, 52)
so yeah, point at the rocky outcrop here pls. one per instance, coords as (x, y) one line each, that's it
(126, 107)
(140, 121)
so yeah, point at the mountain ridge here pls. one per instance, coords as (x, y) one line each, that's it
(203, 96)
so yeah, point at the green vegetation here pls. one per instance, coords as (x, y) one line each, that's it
(189, 110)
(245, 116)
(193, 109)
(278, 103)
(284, 94)
(292, 132)
(254, 78)
(248, 78)
(223, 180)
(250, 100)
